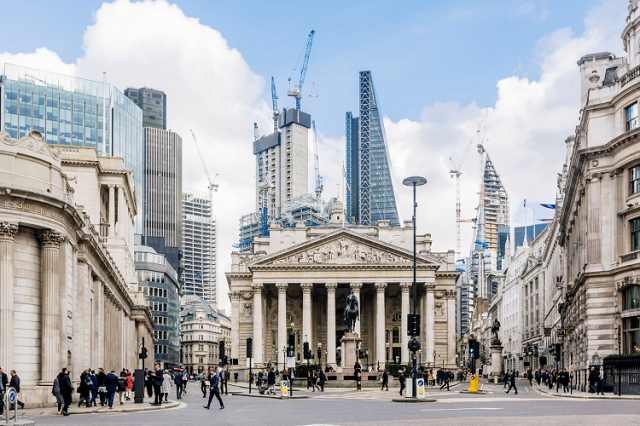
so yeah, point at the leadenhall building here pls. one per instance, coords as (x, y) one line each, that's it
(297, 279)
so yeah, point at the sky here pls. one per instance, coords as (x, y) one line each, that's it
(441, 70)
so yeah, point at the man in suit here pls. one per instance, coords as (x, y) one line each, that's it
(445, 379)
(602, 378)
(214, 388)
(177, 379)
(224, 377)
(403, 379)
(512, 382)
(157, 377)
(15, 383)
(65, 390)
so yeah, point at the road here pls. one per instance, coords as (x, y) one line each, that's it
(374, 407)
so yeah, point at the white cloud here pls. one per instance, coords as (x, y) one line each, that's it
(524, 136)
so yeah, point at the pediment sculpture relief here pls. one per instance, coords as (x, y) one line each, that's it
(341, 251)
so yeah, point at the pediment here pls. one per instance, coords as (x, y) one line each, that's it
(344, 247)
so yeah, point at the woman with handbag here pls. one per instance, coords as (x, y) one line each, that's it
(129, 379)
(166, 386)
(122, 386)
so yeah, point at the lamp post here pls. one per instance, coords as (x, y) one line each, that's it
(319, 355)
(414, 344)
(386, 357)
(366, 352)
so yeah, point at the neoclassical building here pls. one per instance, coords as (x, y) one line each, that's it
(297, 279)
(67, 288)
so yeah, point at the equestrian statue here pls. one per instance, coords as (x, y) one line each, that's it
(351, 313)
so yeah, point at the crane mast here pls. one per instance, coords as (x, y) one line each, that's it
(256, 133)
(274, 102)
(297, 90)
(319, 187)
(213, 186)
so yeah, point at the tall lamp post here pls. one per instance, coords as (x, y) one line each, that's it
(319, 355)
(414, 344)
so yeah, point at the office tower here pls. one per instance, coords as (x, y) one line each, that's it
(199, 254)
(532, 232)
(369, 162)
(73, 111)
(153, 104)
(504, 248)
(496, 206)
(163, 181)
(159, 282)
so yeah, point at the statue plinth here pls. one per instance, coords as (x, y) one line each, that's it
(496, 358)
(350, 343)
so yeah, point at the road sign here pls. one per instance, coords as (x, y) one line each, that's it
(561, 332)
(421, 393)
(547, 331)
(291, 362)
(471, 355)
(540, 349)
(12, 395)
(465, 340)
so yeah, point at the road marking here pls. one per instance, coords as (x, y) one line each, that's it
(464, 409)
(527, 389)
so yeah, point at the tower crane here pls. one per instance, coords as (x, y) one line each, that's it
(213, 186)
(274, 101)
(256, 133)
(455, 172)
(316, 163)
(297, 90)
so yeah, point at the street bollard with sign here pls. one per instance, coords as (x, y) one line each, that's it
(473, 383)
(420, 386)
(284, 388)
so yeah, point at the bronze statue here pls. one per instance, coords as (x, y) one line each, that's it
(351, 313)
(495, 328)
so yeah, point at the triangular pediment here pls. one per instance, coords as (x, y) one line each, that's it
(344, 247)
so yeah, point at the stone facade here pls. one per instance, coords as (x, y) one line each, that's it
(66, 297)
(297, 279)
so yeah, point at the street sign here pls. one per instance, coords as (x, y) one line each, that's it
(547, 331)
(12, 395)
(421, 393)
(561, 332)
(291, 362)
(471, 355)
(465, 340)
(540, 349)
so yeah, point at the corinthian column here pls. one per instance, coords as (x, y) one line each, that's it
(50, 324)
(235, 324)
(430, 314)
(258, 346)
(451, 327)
(282, 315)
(356, 292)
(380, 323)
(112, 210)
(122, 212)
(306, 312)
(404, 352)
(7, 232)
(331, 323)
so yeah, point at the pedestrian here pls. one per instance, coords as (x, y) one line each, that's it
(4, 381)
(204, 384)
(445, 379)
(93, 388)
(129, 378)
(166, 386)
(538, 377)
(235, 377)
(214, 389)
(565, 381)
(157, 377)
(85, 388)
(512, 382)
(55, 390)
(224, 378)
(593, 378)
(403, 379)
(185, 380)
(15, 383)
(530, 377)
(602, 378)
(177, 379)
(505, 379)
(65, 390)
(322, 378)
(148, 382)
(122, 386)
(102, 389)
(314, 380)
(111, 384)
(430, 377)
(385, 380)
(285, 375)
(271, 381)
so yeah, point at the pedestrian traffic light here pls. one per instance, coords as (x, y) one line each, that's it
(305, 350)
(143, 354)
(221, 353)
(413, 325)
(249, 347)
(472, 348)
(291, 345)
(558, 352)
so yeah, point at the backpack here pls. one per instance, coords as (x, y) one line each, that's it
(122, 385)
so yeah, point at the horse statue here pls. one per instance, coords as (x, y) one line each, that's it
(351, 313)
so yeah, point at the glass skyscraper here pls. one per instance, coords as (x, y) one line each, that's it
(75, 112)
(369, 165)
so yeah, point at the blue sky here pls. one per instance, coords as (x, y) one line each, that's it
(420, 52)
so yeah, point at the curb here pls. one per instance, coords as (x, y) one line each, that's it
(413, 400)
(126, 410)
(615, 398)
(479, 392)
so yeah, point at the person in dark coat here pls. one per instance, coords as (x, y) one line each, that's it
(65, 390)
(93, 389)
(512, 382)
(102, 390)
(157, 377)
(322, 378)
(111, 383)
(271, 381)
(403, 379)
(177, 379)
(85, 386)
(224, 378)
(4, 381)
(593, 378)
(385, 380)
(148, 382)
(505, 379)
(15, 383)
(445, 379)
(214, 388)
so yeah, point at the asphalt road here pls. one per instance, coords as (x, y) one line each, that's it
(374, 407)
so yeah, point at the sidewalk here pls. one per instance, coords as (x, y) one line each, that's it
(583, 395)
(128, 407)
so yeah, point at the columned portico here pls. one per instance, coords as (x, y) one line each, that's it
(7, 232)
(258, 345)
(404, 353)
(356, 291)
(331, 323)
(429, 345)
(306, 313)
(380, 323)
(112, 210)
(282, 315)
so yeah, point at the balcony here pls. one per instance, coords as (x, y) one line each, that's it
(629, 256)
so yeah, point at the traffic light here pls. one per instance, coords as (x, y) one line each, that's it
(558, 352)
(413, 325)
(249, 347)
(305, 350)
(472, 348)
(221, 353)
(143, 354)
(291, 345)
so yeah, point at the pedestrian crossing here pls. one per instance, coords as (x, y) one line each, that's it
(368, 394)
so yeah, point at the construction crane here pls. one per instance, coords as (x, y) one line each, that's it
(316, 163)
(455, 172)
(256, 133)
(274, 101)
(297, 90)
(213, 186)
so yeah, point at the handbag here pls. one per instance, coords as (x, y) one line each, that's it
(102, 389)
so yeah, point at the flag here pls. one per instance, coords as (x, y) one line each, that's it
(461, 260)
(549, 206)
(545, 220)
(525, 203)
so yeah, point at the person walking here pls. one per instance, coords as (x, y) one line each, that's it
(385, 380)
(314, 380)
(505, 379)
(403, 379)
(271, 381)
(166, 386)
(93, 389)
(158, 377)
(122, 386)
(185, 380)
(148, 382)
(445, 379)
(430, 377)
(204, 384)
(214, 389)
(84, 389)
(15, 383)
(224, 378)
(129, 379)
(565, 381)
(177, 379)
(530, 377)
(592, 380)
(602, 378)
(55, 390)
(111, 384)
(4, 381)
(512, 382)
(322, 378)
(65, 390)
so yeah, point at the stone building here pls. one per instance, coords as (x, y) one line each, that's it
(202, 326)
(297, 279)
(67, 291)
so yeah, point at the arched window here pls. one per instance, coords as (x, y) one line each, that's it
(396, 335)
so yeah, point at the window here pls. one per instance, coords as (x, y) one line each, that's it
(200, 348)
(635, 234)
(632, 116)
(396, 335)
(630, 296)
(634, 179)
(632, 335)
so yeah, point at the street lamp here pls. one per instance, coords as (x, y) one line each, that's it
(319, 355)
(386, 357)
(414, 344)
